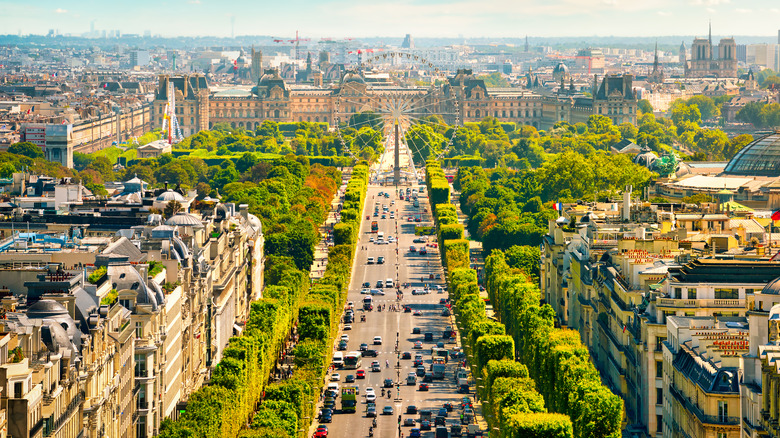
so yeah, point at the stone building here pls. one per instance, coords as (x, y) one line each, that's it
(463, 94)
(705, 62)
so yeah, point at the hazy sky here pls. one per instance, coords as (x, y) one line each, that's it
(422, 18)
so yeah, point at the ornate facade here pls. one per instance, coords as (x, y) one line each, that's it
(464, 98)
(704, 63)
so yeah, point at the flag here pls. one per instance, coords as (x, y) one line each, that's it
(558, 206)
(776, 215)
(624, 328)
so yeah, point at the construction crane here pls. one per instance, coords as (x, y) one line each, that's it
(297, 41)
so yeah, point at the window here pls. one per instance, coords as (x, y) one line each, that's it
(659, 423)
(18, 389)
(659, 396)
(678, 292)
(139, 330)
(659, 368)
(723, 411)
(140, 365)
(691, 293)
(726, 294)
(659, 343)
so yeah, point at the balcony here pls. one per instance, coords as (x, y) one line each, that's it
(705, 419)
(683, 303)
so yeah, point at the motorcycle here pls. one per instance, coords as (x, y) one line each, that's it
(363, 318)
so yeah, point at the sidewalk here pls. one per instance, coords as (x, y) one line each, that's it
(322, 249)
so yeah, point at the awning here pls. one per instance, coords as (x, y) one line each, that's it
(237, 329)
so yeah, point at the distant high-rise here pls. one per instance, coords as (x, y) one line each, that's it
(778, 37)
(139, 58)
(408, 42)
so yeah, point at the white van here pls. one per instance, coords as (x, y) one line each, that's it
(338, 359)
(389, 282)
(380, 236)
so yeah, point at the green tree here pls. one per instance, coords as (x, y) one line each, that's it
(644, 106)
(27, 149)
(688, 113)
(171, 208)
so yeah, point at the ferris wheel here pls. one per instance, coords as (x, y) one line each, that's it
(406, 125)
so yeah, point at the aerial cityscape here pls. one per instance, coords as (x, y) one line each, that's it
(397, 219)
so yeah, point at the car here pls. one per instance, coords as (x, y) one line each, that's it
(392, 216)
(406, 355)
(370, 261)
(412, 249)
(428, 378)
(411, 379)
(335, 377)
(442, 412)
(380, 260)
(437, 276)
(440, 344)
(410, 219)
(345, 338)
(416, 331)
(325, 411)
(377, 340)
(329, 404)
(350, 378)
(417, 345)
(366, 285)
(384, 216)
(363, 346)
(326, 418)
(415, 433)
(442, 301)
(380, 284)
(420, 371)
(347, 327)
(407, 309)
(423, 387)
(376, 213)
(440, 421)
(409, 421)
(392, 202)
(418, 361)
(417, 313)
(425, 425)
(422, 251)
(418, 240)
(448, 406)
(321, 433)
(371, 411)
(370, 353)
(342, 345)
(370, 397)
(360, 374)
(411, 409)
(377, 292)
(387, 410)
(391, 239)
(375, 366)
(370, 390)
(417, 219)
(388, 383)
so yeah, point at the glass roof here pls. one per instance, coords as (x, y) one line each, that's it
(759, 158)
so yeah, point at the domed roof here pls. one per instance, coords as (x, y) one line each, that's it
(772, 288)
(760, 157)
(353, 76)
(170, 195)
(46, 309)
(183, 219)
(561, 68)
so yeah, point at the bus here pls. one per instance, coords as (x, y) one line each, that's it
(368, 302)
(349, 399)
(338, 359)
(352, 360)
(374, 226)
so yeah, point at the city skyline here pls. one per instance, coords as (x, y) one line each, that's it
(422, 18)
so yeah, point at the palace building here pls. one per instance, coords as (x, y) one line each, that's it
(463, 98)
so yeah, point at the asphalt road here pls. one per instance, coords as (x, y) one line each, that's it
(405, 266)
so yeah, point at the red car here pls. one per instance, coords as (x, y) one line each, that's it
(322, 432)
(360, 374)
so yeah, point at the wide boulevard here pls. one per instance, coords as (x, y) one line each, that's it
(404, 266)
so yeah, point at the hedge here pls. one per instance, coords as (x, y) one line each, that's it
(523, 425)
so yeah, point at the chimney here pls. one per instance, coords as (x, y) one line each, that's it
(627, 203)
(244, 210)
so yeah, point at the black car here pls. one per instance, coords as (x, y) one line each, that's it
(363, 347)
(326, 418)
(443, 301)
(388, 383)
(326, 412)
(420, 371)
(442, 412)
(380, 260)
(448, 406)
(350, 378)
(406, 355)
(342, 345)
(428, 378)
(329, 404)
(411, 409)
(380, 284)
(366, 285)
(440, 421)
(425, 425)
(416, 331)
(370, 353)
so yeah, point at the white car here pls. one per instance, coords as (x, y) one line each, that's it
(371, 239)
(370, 398)
(365, 291)
(345, 338)
(377, 340)
(391, 239)
(347, 327)
(370, 390)
(377, 292)
(335, 377)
